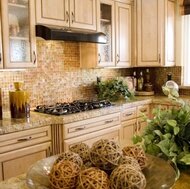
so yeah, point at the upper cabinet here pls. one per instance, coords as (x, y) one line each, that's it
(113, 19)
(74, 14)
(1, 56)
(155, 31)
(18, 34)
(123, 34)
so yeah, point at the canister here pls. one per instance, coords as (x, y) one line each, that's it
(19, 101)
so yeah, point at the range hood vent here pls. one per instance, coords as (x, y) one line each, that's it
(48, 33)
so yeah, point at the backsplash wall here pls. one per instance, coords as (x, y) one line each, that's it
(59, 78)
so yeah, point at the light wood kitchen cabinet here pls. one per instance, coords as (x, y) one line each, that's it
(142, 110)
(1, 53)
(67, 14)
(155, 31)
(123, 34)
(132, 122)
(88, 131)
(19, 150)
(113, 19)
(128, 123)
(18, 34)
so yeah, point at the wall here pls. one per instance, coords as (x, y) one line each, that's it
(59, 78)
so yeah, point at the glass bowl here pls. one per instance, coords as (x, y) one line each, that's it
(158, 173)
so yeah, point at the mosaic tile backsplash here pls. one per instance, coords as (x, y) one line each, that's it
(59, 78)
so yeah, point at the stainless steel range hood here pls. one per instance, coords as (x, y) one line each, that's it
(48, 33)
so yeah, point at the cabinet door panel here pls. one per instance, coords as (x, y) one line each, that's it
(83, 14)
(18, 162)
(148, 32)
(52, 12)
(129, 128)
(123, 35)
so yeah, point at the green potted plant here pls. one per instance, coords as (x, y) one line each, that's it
(113, 90)
(167, 135)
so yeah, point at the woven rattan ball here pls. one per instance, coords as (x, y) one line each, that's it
(138, 153)
(70, 156)
(127, 177)
(83, 150)
(129, 161)
(91, 178)
(63, 175)
(105, 154)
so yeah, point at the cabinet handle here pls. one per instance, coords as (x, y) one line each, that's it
(67, 16)
(34, 54)
(80, 128)
(118, 58)
(24, 139)
(129, 114)
(143, 110)
(99, 56)
(109, 121)
(0, 58)
(135, 127)
(159, 56)
(73, 17)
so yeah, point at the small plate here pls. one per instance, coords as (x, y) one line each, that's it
(158, 173)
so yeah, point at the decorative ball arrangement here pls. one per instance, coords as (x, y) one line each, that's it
(130, 161)
(93, 178)
(64, 174)
(138, 153)
(70, 156)
(105, 154)
(104, 166)
(127, 177)
(83, 150)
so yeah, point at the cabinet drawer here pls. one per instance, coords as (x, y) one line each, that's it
(143, 109)
(109, 133)
(17, 140)
(128, 114)
(90, 125)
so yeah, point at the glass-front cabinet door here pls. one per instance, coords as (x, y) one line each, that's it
(18, 33)
(106, 52)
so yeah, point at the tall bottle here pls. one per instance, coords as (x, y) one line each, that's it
(140, 82)
(135, 79)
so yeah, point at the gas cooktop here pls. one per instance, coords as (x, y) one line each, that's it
(73, 107)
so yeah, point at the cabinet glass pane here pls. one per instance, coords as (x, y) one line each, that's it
(19, 27)
(106, 27)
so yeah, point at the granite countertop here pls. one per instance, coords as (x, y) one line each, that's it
(8, 125)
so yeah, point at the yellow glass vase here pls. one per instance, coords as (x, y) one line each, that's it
(19, 101)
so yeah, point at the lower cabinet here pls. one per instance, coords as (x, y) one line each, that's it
(87, 131)
(20, 150)
(132, 122)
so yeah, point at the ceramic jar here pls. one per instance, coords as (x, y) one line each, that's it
(19, 101)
